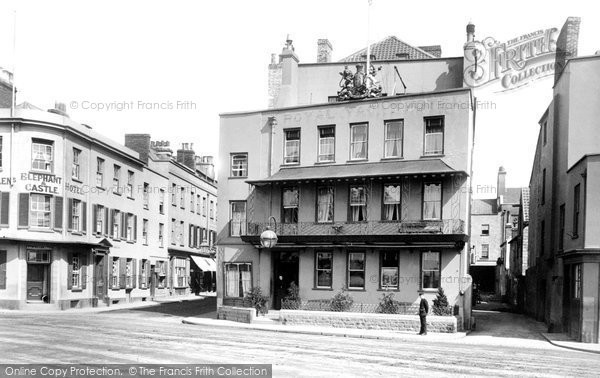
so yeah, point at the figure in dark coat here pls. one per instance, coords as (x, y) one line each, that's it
(423, 310)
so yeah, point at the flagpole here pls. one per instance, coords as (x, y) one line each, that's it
(14, 65)
(368, 39)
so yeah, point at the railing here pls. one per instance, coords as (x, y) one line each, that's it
(407, 227)
(401, 308)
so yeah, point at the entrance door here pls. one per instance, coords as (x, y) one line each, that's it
(37, 282)
(152, 280)
(285, 271)
(100, 277)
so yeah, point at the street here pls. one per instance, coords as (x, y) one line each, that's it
(156, 335)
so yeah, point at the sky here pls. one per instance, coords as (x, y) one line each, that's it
(170, 68)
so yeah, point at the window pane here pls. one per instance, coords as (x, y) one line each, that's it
(325, 204)
(324, 278)
(324, 260)
(391, 194)
(357, 261)
(356, 280)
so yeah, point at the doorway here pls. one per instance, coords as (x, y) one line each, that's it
(100, 277)
(37, 282)
(285, 271)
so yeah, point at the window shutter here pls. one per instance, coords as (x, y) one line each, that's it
(58, 213)
(69, 271)
(196, 236)
(148, 274)
(123, 226)
(84, 268)
(187, 272)
(70, 212)
(84, 217)
(107, 220)
(95, 219)
(135, 228)
(4, 207)
(171, 275)
(23, 209)
(122, 271)
(191, 235)
(3, 269)
(140, 276)
(134, 273)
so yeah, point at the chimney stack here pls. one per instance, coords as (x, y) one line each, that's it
(324, 50)
(186, 156)
(59, 108)
(162, 149)
(140, 143)
(470, 32)
(205, 164)
(288, 91)
(501, 185)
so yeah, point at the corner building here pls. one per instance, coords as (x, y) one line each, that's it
(370, 195)
(85, 221)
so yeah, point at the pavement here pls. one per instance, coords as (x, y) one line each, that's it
(496, 325)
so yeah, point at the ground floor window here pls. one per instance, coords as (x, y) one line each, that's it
(75, 271)
(323, 270)
(143, 274)
(180, 266)
(389, 270)
(129, 273)
(430, 270)
(114, 277)
(356, 270)
(161, 271)
(238, 279)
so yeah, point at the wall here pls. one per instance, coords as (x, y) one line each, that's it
(402, 323)
(319, 81)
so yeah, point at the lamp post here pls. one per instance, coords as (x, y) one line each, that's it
(268, 238)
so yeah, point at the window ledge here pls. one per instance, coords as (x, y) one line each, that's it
(432, 156)
(116, 193)
(323, 288)
(430, 290)
(46, 230)
(77, 180)
(79, 233)
(389, 290)
(77, 290)
(131, 198)
(392, 158)
(357, 160)
(237, 177)
(130, 242)
(146, 207)
(100, 188)
(325, 162)
(42, 172)
(350, 289)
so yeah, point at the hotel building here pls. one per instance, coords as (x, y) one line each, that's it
(372, 195)
(85, 221)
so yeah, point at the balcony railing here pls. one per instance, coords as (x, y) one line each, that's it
(407, 227)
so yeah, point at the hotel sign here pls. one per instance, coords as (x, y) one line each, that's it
(513, 64)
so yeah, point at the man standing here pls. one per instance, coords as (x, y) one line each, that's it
(423, 310)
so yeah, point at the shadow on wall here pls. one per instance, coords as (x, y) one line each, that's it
(452, 78)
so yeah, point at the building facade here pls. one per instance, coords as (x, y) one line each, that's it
(564, 260)
(369, 196)
(85, 221)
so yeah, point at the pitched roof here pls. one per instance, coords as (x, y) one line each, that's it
(406, 167)
(525, 203)
(390, 48)
(484, 207)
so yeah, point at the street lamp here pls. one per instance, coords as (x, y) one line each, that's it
(268, 238)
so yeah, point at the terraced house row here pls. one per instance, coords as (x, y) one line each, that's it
(86, 221)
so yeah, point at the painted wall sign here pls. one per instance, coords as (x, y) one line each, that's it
(42, 183)
(513, 64)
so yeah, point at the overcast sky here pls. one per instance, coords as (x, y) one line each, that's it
(212, 57)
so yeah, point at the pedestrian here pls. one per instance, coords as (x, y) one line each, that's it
(423, 310)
